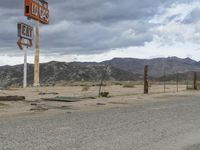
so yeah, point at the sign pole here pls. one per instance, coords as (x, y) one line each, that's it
(37, 57)
(25, 68)
(25, 34)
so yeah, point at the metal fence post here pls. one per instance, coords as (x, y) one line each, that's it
(195, 80)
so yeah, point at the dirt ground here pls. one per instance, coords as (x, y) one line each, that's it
(119, 96)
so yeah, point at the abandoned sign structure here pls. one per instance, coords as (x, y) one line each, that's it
(25, 34)
(38, 11)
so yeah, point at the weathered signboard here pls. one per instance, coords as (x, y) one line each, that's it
(25, 34)
(37, 10)
(25, 31)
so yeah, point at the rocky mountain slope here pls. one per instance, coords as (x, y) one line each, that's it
(120, 69)
(54, 72)
(157, 67)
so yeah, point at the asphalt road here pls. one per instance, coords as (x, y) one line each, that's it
(168, 125)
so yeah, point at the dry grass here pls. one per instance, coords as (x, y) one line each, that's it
(129, 85)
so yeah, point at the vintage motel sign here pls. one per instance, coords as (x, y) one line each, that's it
(37, 10)
(25, 34)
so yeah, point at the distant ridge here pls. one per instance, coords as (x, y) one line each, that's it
(157, 66)
(120, 69)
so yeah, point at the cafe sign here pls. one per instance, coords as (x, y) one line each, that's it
(37, 10)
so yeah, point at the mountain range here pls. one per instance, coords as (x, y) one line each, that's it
(117, 69)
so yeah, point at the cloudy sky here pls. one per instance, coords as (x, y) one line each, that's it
(96, 30)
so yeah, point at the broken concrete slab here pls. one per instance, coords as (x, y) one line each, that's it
(63, 99)
(67, 99)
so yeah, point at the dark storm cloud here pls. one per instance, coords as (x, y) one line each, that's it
(108, 10)
(85, 26)
(11, 4)
(95, 37)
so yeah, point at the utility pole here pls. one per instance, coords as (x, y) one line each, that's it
(37, 57)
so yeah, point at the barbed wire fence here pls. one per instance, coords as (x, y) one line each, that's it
(175, 82)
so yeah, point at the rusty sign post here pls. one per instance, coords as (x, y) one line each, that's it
(25, 34)
(37, 58)
(146, 86)
(38, 11)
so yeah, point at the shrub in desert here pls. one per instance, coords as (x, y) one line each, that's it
(104, 94)
(85, 88)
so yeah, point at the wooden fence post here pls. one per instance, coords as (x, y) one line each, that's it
(146, 86)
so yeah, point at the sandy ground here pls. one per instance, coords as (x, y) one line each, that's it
(119, 97)
(133, 122)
